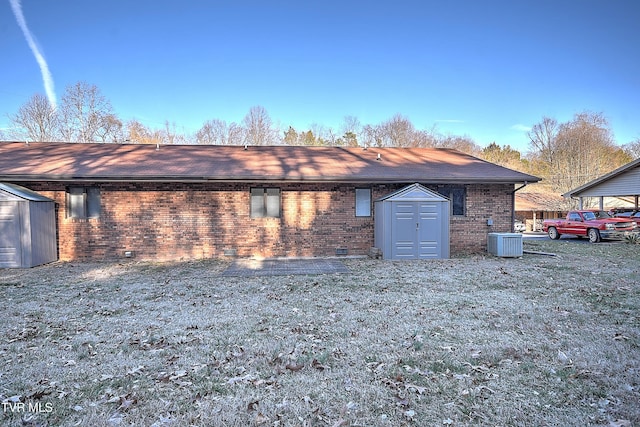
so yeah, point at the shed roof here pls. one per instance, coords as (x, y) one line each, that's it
(18, 192)
(139, 162)
(413, 192)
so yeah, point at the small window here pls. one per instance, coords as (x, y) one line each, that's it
(83, 202)
(457, 196)
(265, 203)
(363, 202)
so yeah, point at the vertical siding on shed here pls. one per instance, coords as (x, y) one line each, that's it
(43, 247)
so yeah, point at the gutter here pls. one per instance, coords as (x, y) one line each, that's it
(249, 178)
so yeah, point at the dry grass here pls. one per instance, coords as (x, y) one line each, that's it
(544, 341)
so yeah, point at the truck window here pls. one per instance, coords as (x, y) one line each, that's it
(574, 217)
(589, 216)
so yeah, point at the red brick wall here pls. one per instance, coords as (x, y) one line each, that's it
(163, 221)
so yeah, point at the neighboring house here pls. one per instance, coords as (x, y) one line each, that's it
(622, 182)
(533, 208)
(199, 201)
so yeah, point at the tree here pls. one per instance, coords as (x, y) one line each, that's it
(110, 129)
(373, 136)
(84, 113)
(349, 139)
(570, 154)
(140, 134)
(461, 143)
(633, 149)
(258, 127)
(291, 137)
(218, 132)
(399, 132)
(36, 119)
(503, 156)
(542, 137)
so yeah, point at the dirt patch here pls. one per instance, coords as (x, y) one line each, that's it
(474, 340)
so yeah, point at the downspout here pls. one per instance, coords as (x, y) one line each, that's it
(513, 206)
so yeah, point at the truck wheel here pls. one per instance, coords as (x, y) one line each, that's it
(553, 233)
(594, 235)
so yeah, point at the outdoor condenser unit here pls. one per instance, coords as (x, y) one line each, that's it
(505, 244)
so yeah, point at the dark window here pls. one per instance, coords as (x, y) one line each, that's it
(363, 202)
(83, 202)
(265, 203)
(457, 195)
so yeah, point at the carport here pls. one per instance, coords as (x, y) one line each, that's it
(622, 182)
(27, 228)
(412, 223)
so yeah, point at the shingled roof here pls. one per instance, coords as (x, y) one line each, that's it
(39, 161)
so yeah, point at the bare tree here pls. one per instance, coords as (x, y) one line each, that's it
(110, 129)
(36, 120)
(373, 136)
(464, 144)
(399, 132)
(633, 149)
(82, 114)
(542, 137)
(258, 127)
(218, 132)
(573, 153)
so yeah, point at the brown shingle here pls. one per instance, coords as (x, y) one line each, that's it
(64, 161)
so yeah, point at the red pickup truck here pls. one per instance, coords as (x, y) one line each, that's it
(595, 225)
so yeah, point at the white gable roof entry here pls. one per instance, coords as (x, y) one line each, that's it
(413, 192)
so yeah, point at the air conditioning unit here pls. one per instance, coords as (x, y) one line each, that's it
(506, 245)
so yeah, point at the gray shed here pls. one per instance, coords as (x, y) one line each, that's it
(27, 227)
(412, 223)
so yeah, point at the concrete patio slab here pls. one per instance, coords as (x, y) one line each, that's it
(283, 267)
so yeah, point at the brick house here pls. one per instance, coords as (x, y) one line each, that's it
(175, 202)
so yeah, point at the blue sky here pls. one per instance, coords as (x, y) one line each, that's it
(486, 69)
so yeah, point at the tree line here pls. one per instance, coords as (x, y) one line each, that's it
(565, 155)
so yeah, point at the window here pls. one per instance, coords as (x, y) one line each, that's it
(457, 196)
(363, 202)
(265, 203)
(574, 217)
(83, 202)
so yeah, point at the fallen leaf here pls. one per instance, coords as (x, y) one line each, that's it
(620, 423)
(317, 365)
(252, 406)
(127, 401)
(418, 389)
(136, 370)
(410, 413)
(178, 374)
(261, 419)
(294, 367)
